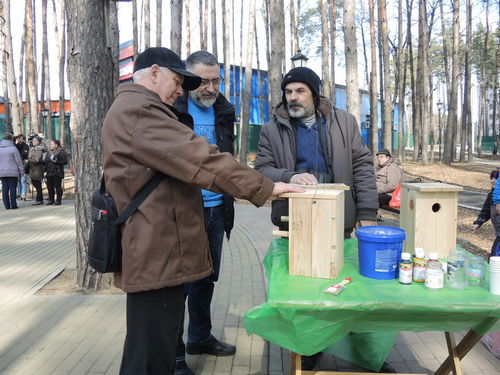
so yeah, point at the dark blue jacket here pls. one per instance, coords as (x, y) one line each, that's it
(224, 130)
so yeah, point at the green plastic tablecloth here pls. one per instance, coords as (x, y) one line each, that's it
(299, 316)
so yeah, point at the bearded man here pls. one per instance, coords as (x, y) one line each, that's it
(209, 114)
(309, 141)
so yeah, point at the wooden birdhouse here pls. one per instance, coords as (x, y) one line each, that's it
(316, 231)
(429, 217)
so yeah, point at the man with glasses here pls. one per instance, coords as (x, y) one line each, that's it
(211, 116)
(164, 242)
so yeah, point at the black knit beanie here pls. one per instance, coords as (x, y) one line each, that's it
(304, 75)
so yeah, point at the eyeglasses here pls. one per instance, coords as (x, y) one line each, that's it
(206, 82)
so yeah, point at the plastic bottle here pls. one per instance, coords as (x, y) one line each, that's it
(419, 265)
(434, 275)
(405, 269)
(457, 269)
(476, 271)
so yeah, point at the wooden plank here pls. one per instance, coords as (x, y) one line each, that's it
(463, 347)
(314, 193)
(452, 349)
(280, 233)
(300, 237)
(325, 186)
(296, 369)
(431, 187)
(321, 240)
(407, 218)
(337, 253)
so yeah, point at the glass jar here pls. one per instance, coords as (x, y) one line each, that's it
(457, 269)
(434, 275)
(476, 271)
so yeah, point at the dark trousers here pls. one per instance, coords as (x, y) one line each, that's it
(38, 187)
(383, 199)
(54, 185)
(9, 187)
(153, 323)
(199, 293)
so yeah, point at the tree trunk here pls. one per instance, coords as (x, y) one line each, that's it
(351, 59)
(363, 43)
(60, 33)
(214, 29)
(277, 49)
(233, 35)
(400, 83)
(46, 71)
(147, 23)
(188, 26)
(259, 81)
(205, 27)
(495, 96)
(159, 30)
(11, 74)
(449, 146)
(373, 81)
(387, 103)
(23, 109)
(227, 51)
(483, 83)
(245, 115)
(135, 36)
(175, 32)
(325, 68)
(240, 76)
(422, 73)
(31, 67)
(268, 55)
(294, 37)
(333, 42)
(466, 115)
(90, 56)
(202, 38)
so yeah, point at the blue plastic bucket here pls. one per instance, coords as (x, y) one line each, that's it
(379, 251)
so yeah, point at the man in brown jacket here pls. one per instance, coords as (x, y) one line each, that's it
(164, 242)
(389, 175)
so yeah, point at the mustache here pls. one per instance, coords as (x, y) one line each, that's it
(294, 104)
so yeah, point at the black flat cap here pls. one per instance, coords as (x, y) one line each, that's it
(166, 58)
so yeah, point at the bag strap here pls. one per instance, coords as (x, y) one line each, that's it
(138, 199)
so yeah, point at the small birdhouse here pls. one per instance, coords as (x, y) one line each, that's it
(429, 217)
(316, 231)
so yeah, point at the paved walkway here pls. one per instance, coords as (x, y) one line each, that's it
(83, 334)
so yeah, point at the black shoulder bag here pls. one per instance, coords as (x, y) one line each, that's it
(104, 251)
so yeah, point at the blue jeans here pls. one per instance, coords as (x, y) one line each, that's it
(23, 185)
(199, 293)
(9, 186)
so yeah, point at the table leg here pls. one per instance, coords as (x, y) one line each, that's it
(295, 364)
(457, 352)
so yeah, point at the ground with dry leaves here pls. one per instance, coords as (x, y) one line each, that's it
(471, 176)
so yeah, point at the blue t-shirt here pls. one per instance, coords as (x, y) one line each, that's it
(204, 125)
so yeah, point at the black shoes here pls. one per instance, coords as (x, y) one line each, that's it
(57, 203)
(212, 347)
(49, 203)
(308, 362)
(37, 203)
(181, 368)
(387, 368)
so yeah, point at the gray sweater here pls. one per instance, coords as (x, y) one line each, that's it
(350, 160)
(11, 164)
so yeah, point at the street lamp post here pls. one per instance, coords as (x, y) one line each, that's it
(299, 59)
(45, 113)
(439, 105)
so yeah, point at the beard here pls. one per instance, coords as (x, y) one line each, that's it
(298, 110)
(203, 99)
